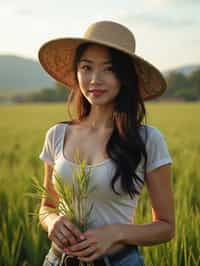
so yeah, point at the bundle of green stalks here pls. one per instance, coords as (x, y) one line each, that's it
(74, 200)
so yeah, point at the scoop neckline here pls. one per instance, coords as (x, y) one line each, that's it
(73, 163)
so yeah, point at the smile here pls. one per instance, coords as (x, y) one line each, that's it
(97, 92)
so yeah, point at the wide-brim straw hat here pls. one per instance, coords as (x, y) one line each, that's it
(57, 57)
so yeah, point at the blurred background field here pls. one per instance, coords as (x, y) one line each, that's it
(22, 132)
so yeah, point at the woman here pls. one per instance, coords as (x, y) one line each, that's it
(109, 84)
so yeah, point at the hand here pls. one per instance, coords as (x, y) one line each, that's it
(63, 232)
(98, 242)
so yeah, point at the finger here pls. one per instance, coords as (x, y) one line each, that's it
(65, 234)
(61, 238)
(71, 239)
(68, 237)
(85, 253)
(64, 241)
(90, 258)
(58, 242)
(81, 245)
(73, 229)
(59, 235)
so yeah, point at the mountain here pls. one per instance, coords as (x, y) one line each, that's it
(186, 70)
(22, 75)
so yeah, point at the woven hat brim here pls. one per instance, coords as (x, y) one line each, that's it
(57, 58)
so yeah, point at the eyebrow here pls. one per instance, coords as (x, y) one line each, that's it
(90, 61)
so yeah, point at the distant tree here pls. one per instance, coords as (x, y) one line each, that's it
(61, 92)
(194, 80)
(189, 94)
(183, 87)
(46, 95)
(175, 81)
(57, 94)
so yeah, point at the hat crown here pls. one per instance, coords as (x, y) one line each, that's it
(111, 34)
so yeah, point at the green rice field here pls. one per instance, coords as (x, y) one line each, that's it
(22, 131)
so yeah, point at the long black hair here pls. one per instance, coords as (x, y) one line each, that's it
(125, 146)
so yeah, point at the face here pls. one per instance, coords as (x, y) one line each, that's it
(97, 81)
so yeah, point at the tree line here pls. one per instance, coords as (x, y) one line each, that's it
(179, 87)
(57, 94)
(183, 87)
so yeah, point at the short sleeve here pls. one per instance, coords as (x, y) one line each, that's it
(47, 153)
(157, 150)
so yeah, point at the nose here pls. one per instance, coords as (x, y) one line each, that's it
(96, 77)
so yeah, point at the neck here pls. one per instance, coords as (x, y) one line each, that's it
(100, 118)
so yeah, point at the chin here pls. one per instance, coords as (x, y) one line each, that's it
(99, 101)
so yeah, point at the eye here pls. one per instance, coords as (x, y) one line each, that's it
(109, 69)
(85, 67)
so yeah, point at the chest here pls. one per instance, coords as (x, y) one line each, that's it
(91, 146)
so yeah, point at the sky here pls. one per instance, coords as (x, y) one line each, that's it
(167, 32)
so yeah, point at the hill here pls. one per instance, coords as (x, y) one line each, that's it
(18, 74)
(185, 70)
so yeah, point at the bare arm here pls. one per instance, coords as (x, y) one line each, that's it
(162, 229)
(46, 205)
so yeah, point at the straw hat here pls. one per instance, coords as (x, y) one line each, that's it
(56, 56)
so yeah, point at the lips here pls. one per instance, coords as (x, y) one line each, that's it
(97, 92)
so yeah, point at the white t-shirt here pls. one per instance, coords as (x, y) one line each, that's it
(108, 207)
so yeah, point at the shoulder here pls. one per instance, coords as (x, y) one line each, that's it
(150, 133)
(52, 129)
(55, 129)
(156, 148)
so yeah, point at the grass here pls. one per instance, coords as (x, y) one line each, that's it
(22, 131)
